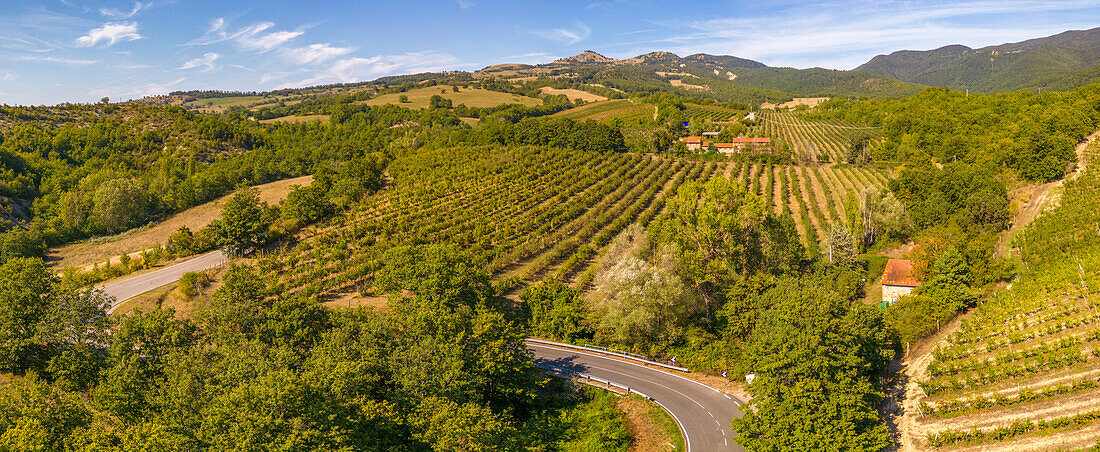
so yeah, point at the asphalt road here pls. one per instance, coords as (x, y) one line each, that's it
(703, 412)
(132, 287)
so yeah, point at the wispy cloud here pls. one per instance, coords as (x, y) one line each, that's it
(109, 33)
(58, 60)
(117, 14)
(360, 69)
(315, 53)
(206, 61)
(466, 4)
(255, 37)
(578, 33)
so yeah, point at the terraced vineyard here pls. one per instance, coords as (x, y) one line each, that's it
(1023, 371)
(828, 140)
(534, 213)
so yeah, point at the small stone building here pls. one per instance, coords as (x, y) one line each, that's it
(898, 280)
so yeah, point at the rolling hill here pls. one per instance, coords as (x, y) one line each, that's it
(1063, 61)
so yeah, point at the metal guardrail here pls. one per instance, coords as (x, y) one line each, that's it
(609, 351)
(590, 378)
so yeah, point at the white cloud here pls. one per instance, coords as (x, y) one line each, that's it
(361, 69)
(466, 4)
(116, 14)
(254, 37)
(206, 61)
(244, 68)
(315, 53)
(6, 76)
(110, 33)
(58, 60)
(579, 33)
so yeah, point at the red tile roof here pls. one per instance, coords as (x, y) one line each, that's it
(899, 272)
(691, 139)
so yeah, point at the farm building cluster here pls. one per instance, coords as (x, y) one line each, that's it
(734, 146)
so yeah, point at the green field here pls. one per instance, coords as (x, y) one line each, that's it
(473, 97)
(226, 102)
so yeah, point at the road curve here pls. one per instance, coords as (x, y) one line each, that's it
(704, 413)
(131, 287)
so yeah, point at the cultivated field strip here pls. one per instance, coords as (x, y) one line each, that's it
(828, 140)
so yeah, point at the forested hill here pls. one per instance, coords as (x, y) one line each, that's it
(1063, 61)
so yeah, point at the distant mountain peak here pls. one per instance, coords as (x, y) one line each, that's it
(587, 56)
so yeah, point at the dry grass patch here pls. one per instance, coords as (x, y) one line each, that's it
(807, 101)
(681, 84)
(573, 94)
(472, 97)
(650, 426)
(86, 253)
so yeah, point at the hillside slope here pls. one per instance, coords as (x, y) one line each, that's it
(1020, 371)
(1063, 61)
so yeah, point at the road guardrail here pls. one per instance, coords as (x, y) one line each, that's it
(612, 352)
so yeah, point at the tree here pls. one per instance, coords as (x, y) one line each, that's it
(305, 205)
(859, 149)
(76, 330)
(403, 99)
(644, 303)
(555, 310)
(816, 357)
(881, 213)
(121, 204)
(242, 227)
(839, 246)
(26, 289)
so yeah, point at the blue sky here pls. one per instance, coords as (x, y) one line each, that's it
(55, 51)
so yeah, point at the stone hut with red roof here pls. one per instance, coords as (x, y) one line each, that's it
(898, 280)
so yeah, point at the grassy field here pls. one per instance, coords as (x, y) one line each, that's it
(418, 98)
(222, 103)
(85, 253)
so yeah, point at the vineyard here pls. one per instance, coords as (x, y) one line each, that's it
(697, 113)
(536, 213)
(822, 141)
(1023, 371)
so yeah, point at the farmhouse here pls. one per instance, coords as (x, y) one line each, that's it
(735, 145)
(898, 280)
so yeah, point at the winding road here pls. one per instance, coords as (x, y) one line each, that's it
(703, 413)
(131, 287)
